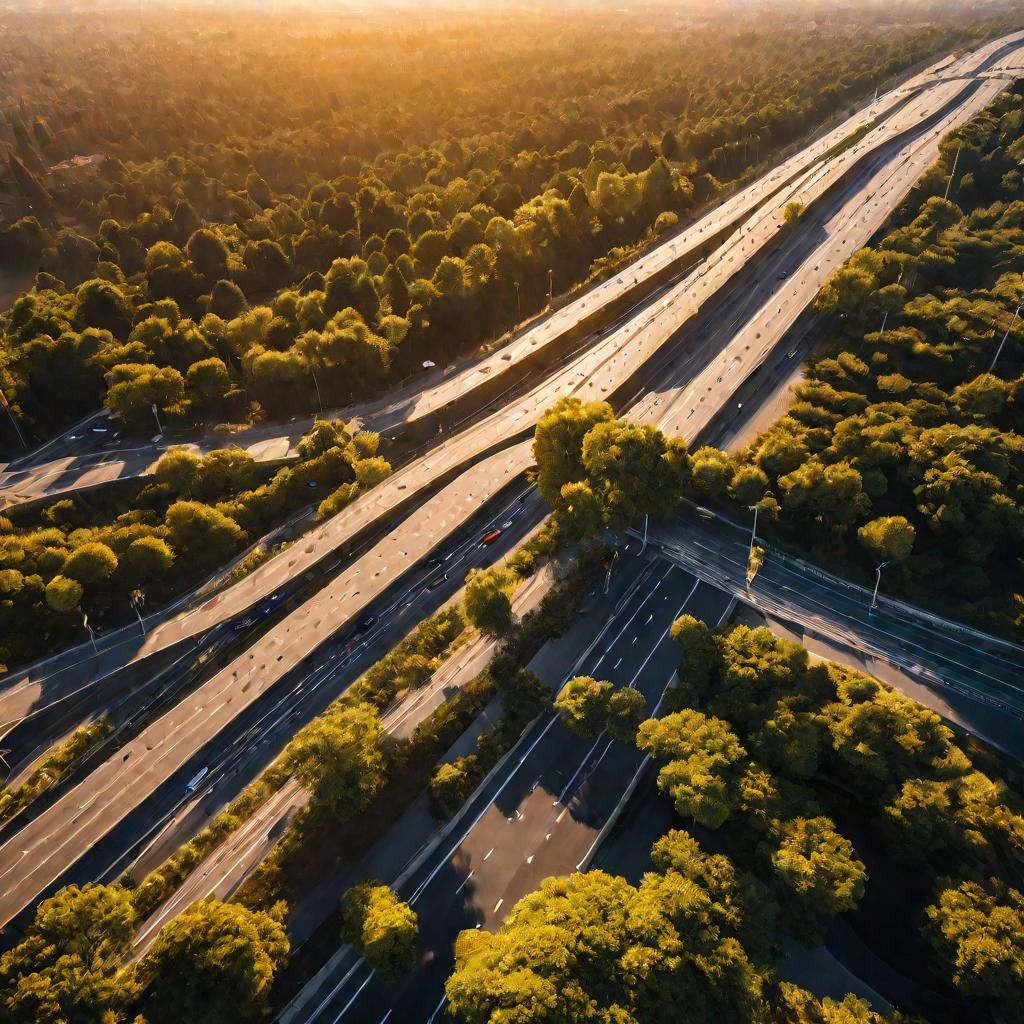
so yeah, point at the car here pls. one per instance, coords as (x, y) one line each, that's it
(490, 536)
(368, 623)
(434, 584)
(436, 562)
(782, 275)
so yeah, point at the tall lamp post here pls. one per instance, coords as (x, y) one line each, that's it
(878, 581)
(999, 351)
(753, 532)
(551, 286)
(519, 304)
(138, 599)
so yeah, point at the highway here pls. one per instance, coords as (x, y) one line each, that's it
(598, 372)
(540, 818)
(944, 654)
(226, 867)
(73, 461)
(89, 454)
(88, 812)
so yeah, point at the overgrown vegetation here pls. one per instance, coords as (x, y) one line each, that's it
(231, 246)
(905, 443)
(98, 553)
(769, 758)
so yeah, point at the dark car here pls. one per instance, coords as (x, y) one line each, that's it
(434, 584)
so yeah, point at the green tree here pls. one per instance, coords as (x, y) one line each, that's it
(63, 594)
(202, 534)
(977, 927)
(819, 875)
(214, 962)
(635, 470)
(133, 388)
(179, 468)
(558, 443)
(337, 757)
(452, 783)
(147, 559)
(488, 600)
(381, 927)
(887, 539)
(627, 708)
(64, 970)
(699, 660)
(92, 562)
(582, 705)
(701, 763)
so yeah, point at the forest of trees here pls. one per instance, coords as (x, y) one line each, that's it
(244, 245)
(770, 759)
(905, 441)
(97, 552)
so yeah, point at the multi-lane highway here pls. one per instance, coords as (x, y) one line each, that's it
(602, 370)
(479, 463)
(541, 817)
(89, 453)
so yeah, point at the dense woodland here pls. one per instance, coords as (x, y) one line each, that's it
(235, 241)
(905, 442)
(156, 538)
(772, 763)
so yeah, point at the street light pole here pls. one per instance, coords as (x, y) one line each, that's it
(608, 574)
(956, 160)
(156, 413)
(643, 547)
(519, 304)
(878, 580)
(14, 422)
(753, 532)
(136, 599)
(91, 632)
(551, 286)
(1016, 313)
(319, 400)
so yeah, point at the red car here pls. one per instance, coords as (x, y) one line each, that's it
(491, 536)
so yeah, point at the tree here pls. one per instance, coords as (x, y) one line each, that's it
(64, 969)
(977, 927)
(583, 705)
(337, 757)
(593, 949)
(558, 443)
(579, 513)
(202, 534)
(63, 594)
(90, 563)
(381, 927)
(179, 468)
(208, 378)
(702, 761)
(819, 873)
(488, 600)
(133, 388)
(147, 559)
(627, 708)
(370, 472)
(699, 660)
(887, 539)
(634, 470)
(214, 962)
(452, 783)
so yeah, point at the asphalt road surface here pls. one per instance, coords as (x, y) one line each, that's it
(89, 811)
(541, 818)
(597, 373)
(946, 654)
